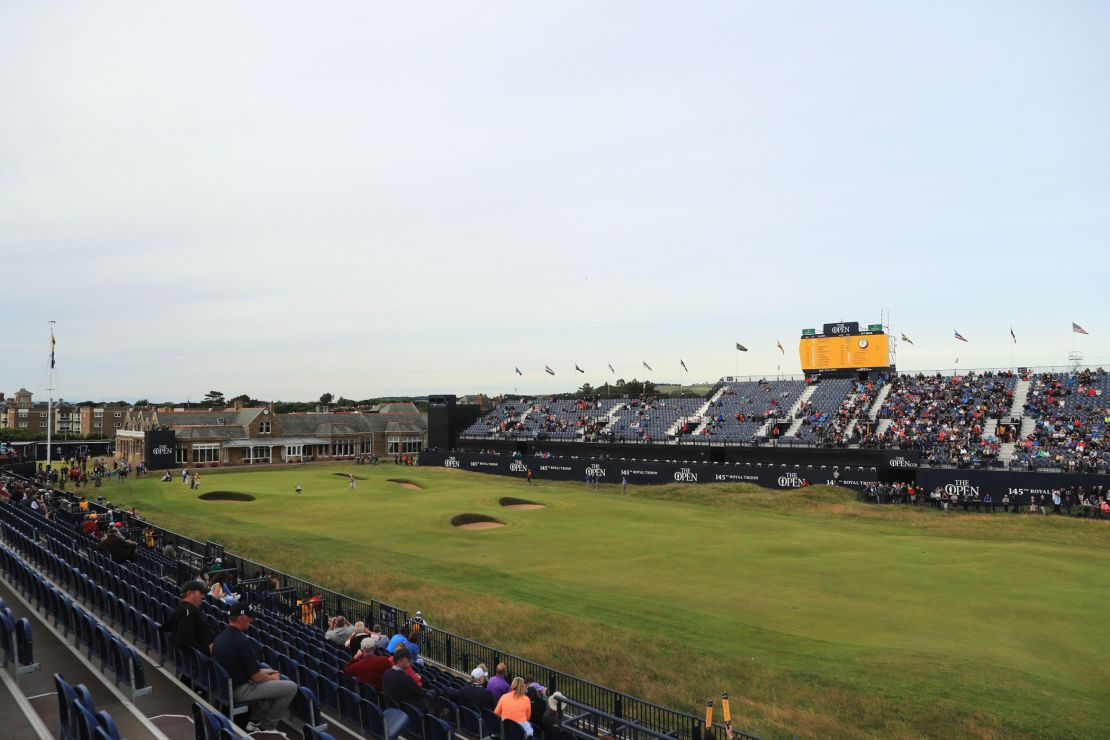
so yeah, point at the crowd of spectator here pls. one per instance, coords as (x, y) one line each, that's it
(949, 419)
(1076, 501)
(1071, 413)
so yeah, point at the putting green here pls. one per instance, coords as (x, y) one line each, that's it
(820, 616)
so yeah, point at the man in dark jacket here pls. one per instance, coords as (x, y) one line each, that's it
(187, 626)
(398, 685)
(117, 548)
(475, 694)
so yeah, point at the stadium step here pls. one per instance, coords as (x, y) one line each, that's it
(699, 417)
(882, 426)
(17, 716)
(877, 404)
(797, 423)
(1021, 395)
(57, 655)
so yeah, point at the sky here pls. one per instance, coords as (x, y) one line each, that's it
(370, 199)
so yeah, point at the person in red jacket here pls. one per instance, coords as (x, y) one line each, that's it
(368, 668)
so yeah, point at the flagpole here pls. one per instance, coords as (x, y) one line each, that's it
(1012, 368)
(50, 401)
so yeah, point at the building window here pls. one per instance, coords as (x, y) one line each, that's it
(263, 427)
(404, 445)
(98, 412)
(42, 424)
(342, 447)
(96, 425)
(294, 451)
(257, 454)
(181, 454)
(118, 414)
(206, 452)
(368, 447)
(22, 425)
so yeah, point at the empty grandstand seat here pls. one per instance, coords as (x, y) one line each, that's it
(470, 721)
(372, 720)
(306, 708)
(436, 729)
(395, 722)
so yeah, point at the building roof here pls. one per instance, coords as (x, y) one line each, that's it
(404, 407)
(229, 417)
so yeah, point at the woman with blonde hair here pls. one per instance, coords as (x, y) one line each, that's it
(516, 705)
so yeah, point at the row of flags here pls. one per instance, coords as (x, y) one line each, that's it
(1076, 329)
(547, 368)
(778, 343)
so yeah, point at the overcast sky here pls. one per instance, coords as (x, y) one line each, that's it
(283, 199)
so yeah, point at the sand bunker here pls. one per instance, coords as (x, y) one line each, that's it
(357, 477)
(403, 483)
(225, 496)
(518, 503)
(475, 521)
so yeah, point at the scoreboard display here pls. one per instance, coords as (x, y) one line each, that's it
(844, 352)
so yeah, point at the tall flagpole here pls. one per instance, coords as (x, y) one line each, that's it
(50, 400)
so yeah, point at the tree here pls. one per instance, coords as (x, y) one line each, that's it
(244, 399)
(142, 402)
(585, 391)
(326, 399)
(214, 398)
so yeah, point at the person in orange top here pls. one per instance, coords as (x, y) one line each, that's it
(516, 705)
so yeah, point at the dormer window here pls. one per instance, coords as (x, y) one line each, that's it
(264, 427)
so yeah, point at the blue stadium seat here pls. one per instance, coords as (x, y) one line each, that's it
(371, 720)
(436, 729)
(395, 722)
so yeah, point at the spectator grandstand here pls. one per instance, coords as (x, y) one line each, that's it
(1070, 415)
(968, 420)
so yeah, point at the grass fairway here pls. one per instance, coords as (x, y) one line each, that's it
(822, 617)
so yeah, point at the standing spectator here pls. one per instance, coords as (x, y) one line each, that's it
(263, 689)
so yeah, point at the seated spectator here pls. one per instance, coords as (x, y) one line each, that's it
(354, 642)
(516, 705)
(475, 694)
(499, 684)
(339, 630)
(221, 594)
(399, 685)
(368, 668)
(116, 547)
(263, 689)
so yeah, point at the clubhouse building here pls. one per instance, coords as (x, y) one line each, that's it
(258, 436)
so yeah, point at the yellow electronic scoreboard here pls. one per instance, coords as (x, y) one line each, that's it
(843, 346)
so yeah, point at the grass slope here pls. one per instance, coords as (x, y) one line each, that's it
(822, 617)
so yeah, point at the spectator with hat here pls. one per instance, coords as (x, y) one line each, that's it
(475, 693)
(267, 693)
(399, 685)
